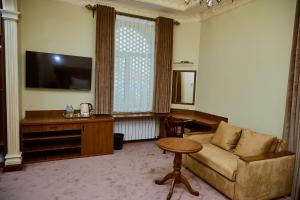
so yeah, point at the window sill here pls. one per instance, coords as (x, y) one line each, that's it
(138, 115)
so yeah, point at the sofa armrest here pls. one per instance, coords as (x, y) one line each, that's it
(264, 177)
(266, 156)
(201, 137)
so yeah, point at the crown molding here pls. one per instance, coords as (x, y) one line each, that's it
(166, 3)
(182, 18)
(171, 4)
(182, 14)
(138, 11)
(227, 6)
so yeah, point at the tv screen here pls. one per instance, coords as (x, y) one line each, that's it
(47, 70)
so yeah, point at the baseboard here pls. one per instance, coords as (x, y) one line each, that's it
(11, 168)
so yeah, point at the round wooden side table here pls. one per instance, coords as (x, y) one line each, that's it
(178, 146)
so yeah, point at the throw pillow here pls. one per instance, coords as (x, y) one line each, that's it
(226, 136)
(253, 144)
(281, 146)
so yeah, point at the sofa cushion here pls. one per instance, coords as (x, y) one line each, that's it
(253, 144)
(226, 136)
(274, 145)
(220, 160)
(281, 145)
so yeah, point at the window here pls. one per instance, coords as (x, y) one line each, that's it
(134, 64)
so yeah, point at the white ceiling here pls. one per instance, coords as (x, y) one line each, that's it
(166, 5)
(172, 6)
(176, 9)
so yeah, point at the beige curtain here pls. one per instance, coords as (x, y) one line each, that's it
(291, 130)
(104, 68)
(163, 65)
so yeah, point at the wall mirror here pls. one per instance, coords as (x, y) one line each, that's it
(183, 87)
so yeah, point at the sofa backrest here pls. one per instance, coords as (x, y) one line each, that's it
(245, 142)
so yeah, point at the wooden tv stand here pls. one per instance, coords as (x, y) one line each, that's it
(47, 135)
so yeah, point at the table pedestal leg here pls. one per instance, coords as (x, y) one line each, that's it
(177, 177)
(167, 177)
(188, 186)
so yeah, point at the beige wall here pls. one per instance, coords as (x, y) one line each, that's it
(186, 48)
(58, 27)
(186, 42)
(243, 57)
(244, 64)
(53, 26)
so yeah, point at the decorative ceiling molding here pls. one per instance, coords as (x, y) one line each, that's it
(165, 3)
(145, 11)
(175, 9)
(179, 5)
(217, 10)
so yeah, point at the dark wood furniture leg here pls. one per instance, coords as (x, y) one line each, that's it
(177, 177)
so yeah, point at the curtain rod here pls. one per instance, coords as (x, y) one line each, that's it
(93, 8)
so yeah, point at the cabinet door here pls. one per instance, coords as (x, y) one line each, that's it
(97, 138)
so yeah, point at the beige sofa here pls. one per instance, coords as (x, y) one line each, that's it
(242, 164)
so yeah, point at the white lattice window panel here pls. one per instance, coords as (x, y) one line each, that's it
(134, 64)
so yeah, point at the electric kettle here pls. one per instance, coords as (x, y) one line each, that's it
(85, 109)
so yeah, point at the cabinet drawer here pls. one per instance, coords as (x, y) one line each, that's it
(33, 128)
(72, 127)
(54, 127)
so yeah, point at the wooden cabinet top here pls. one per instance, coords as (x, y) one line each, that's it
(62, 120)
(56, 117)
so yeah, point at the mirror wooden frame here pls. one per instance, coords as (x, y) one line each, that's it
(194, 88)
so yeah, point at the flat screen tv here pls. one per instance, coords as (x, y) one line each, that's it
(47, 70)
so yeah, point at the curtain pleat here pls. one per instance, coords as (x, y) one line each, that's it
(104, 68)
(291, 132)
(163, 65)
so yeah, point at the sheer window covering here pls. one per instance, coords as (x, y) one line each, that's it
(134, 65)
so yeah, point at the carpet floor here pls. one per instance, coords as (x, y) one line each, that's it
(128, 174)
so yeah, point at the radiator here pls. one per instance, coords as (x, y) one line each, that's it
(137, 128)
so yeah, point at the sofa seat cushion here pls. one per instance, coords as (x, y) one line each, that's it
(222, 161)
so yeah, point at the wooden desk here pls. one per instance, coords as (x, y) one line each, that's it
(208, 120)
(200, 121)
(196, 119)
(50, 136)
